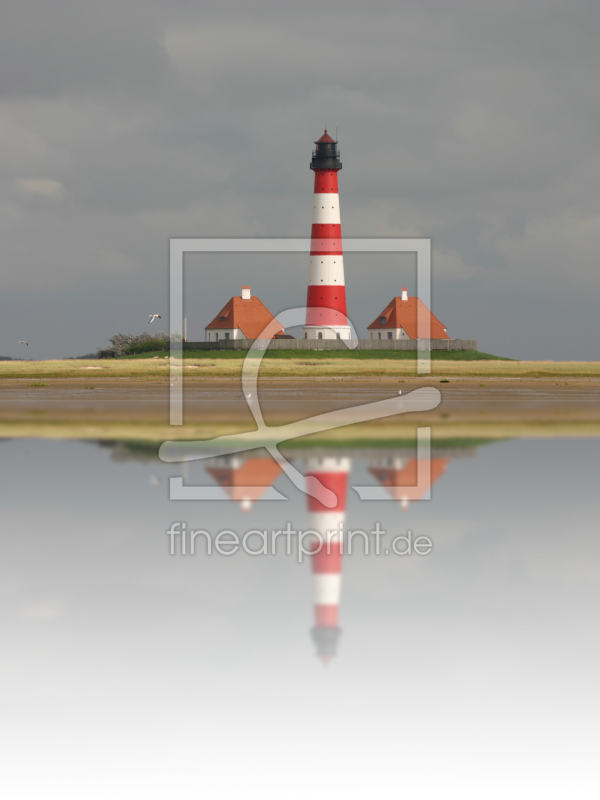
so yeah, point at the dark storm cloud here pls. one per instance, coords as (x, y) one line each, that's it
(475, 123)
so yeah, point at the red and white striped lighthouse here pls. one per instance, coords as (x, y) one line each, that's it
(326, 562)
(326, 300)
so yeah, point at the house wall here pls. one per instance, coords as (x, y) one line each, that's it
(234, 333)
(336, 344)
(313, 331)
(397, 333)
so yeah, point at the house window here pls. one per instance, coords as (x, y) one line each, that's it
(305, 336)
(382, 320)
(380, 334)
(390, 335)
(227, 336)
(320, 335)
(222, 319)
(216, 337)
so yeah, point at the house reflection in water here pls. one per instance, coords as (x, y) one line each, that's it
(244, 479)
(399, 475)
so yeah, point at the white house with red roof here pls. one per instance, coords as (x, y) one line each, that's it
(407, 318)
(243, 317)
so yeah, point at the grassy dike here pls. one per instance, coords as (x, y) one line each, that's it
(289, 364)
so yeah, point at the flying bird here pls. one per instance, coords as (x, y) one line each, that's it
(153, 317)
(22, 342)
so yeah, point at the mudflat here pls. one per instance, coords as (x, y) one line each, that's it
(102, 407)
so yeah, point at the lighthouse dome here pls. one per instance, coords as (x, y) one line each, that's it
(326, 155)
(326, 139)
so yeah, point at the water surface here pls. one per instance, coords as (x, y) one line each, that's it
(470, 672)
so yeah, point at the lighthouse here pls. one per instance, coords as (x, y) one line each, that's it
(326, 561)
(326, 298)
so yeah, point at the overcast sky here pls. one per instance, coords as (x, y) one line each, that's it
(126, 123)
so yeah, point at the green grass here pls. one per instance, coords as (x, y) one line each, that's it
(138, 449)
(37, 384)
(306, 356)
(227, 365)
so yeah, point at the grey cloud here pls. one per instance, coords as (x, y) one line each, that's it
(475, 124)
(70, 47)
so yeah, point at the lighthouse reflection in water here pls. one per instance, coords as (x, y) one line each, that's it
(245, 479)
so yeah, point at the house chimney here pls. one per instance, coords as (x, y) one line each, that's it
(404, 293)
(245, 293)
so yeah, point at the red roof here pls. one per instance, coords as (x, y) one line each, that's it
(250, 316)
(249, 480)
(402, 483)
(325, 139)
(403, 314)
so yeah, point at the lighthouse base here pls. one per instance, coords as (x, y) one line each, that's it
(323, 332)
